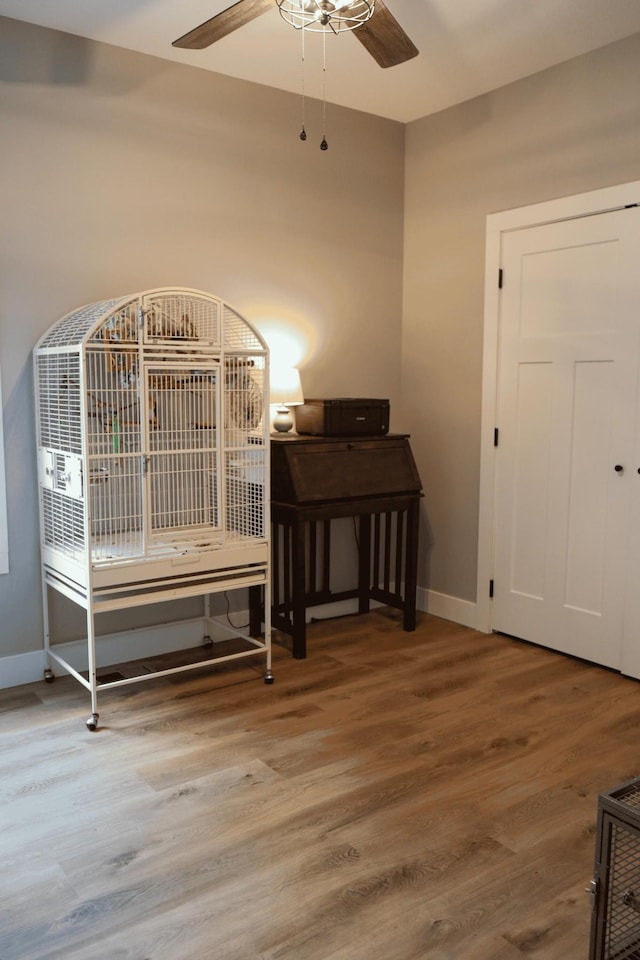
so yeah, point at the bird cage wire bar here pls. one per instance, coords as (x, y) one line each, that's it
(63, 524)
(59, 402)
(238, 335)
(181, 319)
(181, 410)
(72, 329)
(184, 427)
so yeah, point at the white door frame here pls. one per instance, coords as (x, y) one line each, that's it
(551, 211)
(4, 529)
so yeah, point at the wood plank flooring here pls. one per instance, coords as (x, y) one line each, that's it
(393, 797)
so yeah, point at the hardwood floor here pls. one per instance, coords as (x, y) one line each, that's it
(394, 796)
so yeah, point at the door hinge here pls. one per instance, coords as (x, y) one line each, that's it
(496, 435)
(500, 278)
(490, 589)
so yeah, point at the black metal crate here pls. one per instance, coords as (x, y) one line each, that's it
(615, 888)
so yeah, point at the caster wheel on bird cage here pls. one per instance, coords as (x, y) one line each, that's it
(92, 722)
(269, 677)
(49, 676)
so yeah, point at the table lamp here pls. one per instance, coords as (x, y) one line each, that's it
(285, 392)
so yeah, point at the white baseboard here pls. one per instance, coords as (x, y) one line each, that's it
(110, 649)
(134, 644)
(167, 638)
(21, 668)
(442, 605)
(340, 608)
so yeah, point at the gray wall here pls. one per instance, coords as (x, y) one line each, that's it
(570, 129)
(120, 172)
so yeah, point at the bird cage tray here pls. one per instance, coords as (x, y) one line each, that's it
(197, 560)
(139, 570)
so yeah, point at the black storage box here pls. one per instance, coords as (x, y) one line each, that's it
(343, 417)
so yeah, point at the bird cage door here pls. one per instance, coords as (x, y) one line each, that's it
(182, 462)
(181, 392)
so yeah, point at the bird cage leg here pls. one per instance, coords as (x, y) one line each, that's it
(92, 722)
(48, 672)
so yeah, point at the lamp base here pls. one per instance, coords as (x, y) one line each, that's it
(283, 421)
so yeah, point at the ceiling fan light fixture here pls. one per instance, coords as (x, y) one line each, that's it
(321, 15)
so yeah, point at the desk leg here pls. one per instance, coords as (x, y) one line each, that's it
(299, 586)
(411, 566)
(364, 563)
(255, 611)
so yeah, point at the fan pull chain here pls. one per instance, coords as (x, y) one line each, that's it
(303, 132)
(323, 144)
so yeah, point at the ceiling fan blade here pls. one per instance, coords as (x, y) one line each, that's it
(235, 16)
(383, 37)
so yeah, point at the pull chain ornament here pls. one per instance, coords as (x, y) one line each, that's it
(303, 132)
(323, 143)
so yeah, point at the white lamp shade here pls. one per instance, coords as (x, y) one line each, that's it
(286, 388)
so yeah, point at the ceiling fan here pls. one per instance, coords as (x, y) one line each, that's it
(377, 29)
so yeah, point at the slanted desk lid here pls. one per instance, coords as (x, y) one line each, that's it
(308, 471)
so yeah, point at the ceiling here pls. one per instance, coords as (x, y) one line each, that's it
(467, 47)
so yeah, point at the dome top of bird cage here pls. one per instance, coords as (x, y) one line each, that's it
(178, 317)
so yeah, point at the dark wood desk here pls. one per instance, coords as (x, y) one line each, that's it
(315, 480)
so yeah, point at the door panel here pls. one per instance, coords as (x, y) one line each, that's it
(530, 472)
(589, 474)
(568, 364)
(556, 301)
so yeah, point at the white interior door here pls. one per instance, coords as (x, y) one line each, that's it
(567, 375)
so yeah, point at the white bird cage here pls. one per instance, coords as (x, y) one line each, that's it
(153, 463)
